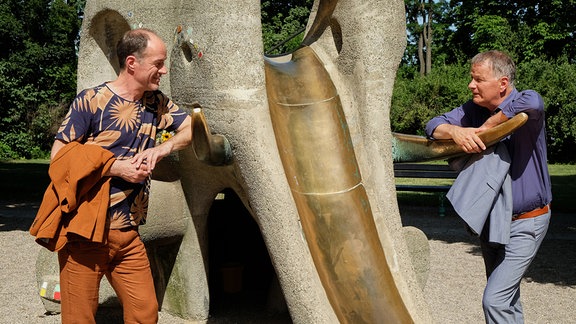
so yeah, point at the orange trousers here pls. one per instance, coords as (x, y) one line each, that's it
(123, 261)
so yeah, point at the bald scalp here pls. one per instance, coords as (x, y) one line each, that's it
(133, 42)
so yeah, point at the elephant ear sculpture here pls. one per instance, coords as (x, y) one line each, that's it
(303, 140)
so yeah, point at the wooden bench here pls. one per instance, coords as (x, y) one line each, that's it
(425, 171)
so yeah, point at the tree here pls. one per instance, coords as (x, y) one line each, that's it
(527, 29)
(419, 19)
(549, 79)
(283, 24)
(422, 22)
(492, 33)
(38, 61)
(416, 99)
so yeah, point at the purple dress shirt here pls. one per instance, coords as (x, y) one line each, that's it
(531, 186)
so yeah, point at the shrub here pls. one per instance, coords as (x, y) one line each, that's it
(553, 80)
(416, 99)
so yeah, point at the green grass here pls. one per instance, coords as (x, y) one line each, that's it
(27, 180)
(563, 178)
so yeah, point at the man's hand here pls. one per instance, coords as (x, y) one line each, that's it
(465, 137)
(128, 171)
(148, 158)
(468, 140)
(153, 155)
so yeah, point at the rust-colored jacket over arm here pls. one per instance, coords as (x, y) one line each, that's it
(77, 199)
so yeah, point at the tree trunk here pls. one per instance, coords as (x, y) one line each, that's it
(428, 39)
(421, 54)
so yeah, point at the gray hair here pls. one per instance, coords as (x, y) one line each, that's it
(500, 62)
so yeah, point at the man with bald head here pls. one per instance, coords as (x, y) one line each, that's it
(122, 117)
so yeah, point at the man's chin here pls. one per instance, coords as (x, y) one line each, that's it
(153, 87)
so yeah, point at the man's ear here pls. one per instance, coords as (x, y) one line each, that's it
(130, 61)
(504, 83)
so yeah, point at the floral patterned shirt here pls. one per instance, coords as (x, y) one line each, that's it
(98, 116)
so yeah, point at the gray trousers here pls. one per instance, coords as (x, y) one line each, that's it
(505, 267)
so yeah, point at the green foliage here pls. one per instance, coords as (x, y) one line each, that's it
(492, 32)
(38, 61)
(283, 24)
(527, 29)
(553, 81)
(6, 152)
(539, 35)
(416, 99)
(39, 39)
(19, 145)
(415, 11)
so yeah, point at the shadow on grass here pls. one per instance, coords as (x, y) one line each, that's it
(563, 193)
(23, 181)
(22, 187)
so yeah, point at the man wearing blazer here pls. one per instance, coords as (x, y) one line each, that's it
(516, 215)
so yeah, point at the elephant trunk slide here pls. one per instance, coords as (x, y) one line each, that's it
(325, 181)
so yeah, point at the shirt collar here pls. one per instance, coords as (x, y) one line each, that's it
(513, 94)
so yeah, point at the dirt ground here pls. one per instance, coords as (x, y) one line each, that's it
(456, 280)
(454, 287)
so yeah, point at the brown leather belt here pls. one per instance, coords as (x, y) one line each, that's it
(533, 213)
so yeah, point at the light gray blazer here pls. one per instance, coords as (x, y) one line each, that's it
(483, 192)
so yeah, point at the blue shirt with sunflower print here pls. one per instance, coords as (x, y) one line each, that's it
(98, 116)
